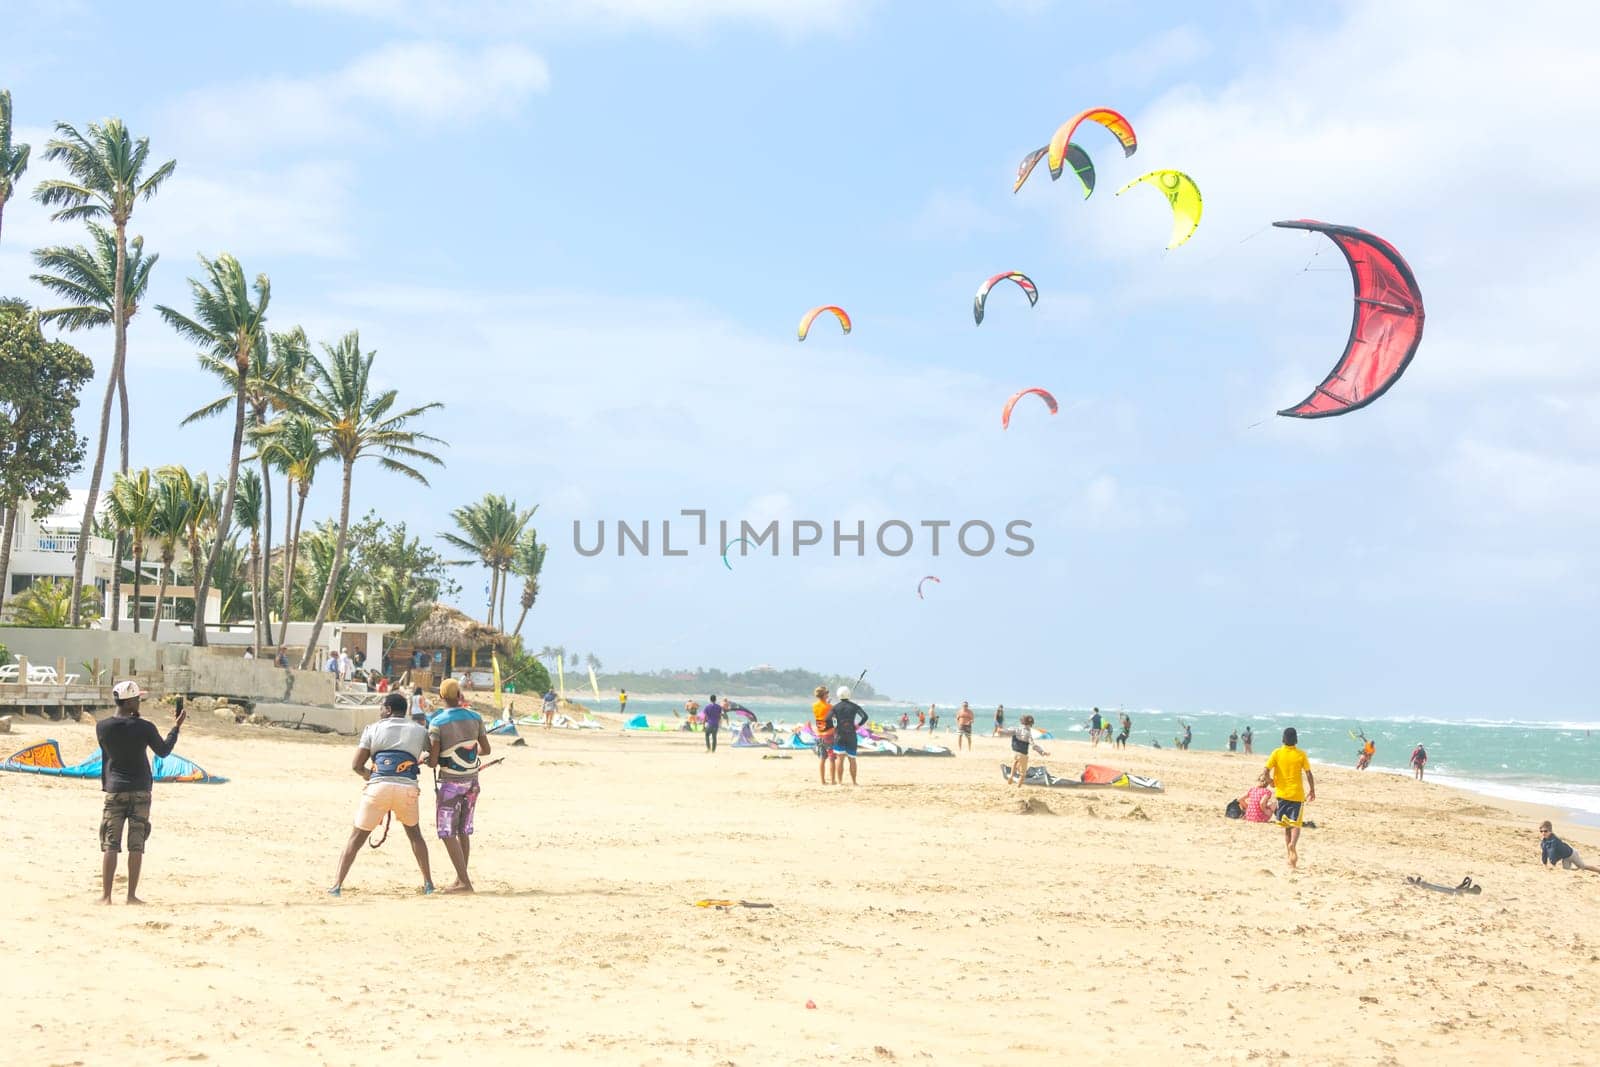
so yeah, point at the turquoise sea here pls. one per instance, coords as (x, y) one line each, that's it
(1553, 763)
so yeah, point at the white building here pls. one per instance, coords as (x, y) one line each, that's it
(43, 546)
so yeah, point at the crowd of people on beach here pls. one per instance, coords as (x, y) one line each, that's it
(452, 742)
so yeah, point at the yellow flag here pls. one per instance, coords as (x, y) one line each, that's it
(499, 697)
(594, 684)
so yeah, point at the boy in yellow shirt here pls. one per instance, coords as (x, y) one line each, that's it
(1286, 764)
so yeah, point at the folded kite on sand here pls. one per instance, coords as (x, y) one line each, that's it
(1094, 777)
(45, 758)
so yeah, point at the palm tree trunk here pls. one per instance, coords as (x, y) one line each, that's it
(116, 573)
(292, 559)
(333, 572)
(518, 631)
(288, 556)
(505, 588)
(138, 576)
(161, 597)
(5, 549)
(119, 323)
(255, 587)
(226, 518)
(494, 589)
(264, 631)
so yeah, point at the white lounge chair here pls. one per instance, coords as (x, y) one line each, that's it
(8, 672)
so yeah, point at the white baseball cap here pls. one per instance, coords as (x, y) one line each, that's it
(126, 690)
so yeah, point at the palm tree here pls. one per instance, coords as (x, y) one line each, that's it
(527, 563)
(489, 530)
(291, 445)
(232, 583)
(228, 324)
(13, 157)
(48, 603)
(247, 509)
(353, 421)
(593, 662)
(86, 278)
(279, 364)
(317, 571)
(132, 505)
(168, 524)
(107, 178)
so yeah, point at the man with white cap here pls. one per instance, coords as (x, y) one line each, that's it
(126, 781)
(843, 719)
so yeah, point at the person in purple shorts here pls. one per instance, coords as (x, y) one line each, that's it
(457, 744)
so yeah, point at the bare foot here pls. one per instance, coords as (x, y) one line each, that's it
(106, 901)
(458, 888)
(134, 900)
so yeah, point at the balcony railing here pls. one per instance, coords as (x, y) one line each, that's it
(56, 543)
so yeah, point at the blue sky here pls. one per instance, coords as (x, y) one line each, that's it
(590, 228)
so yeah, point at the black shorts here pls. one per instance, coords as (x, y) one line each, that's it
(1289, 812)
(132, 808)
(845, 746)
(966, 728)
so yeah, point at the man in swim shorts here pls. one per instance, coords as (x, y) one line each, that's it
(1419, 760)
(964, 719)
(394, 745)
(1287, 764)
(457, 743)
(843, 719)
(126, 780)
(827, 762)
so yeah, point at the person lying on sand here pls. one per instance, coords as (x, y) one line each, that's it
(394, 745)
(1557, 853)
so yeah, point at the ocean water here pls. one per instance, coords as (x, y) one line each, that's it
(1553, 763)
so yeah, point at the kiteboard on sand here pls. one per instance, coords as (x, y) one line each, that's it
(1467, 886)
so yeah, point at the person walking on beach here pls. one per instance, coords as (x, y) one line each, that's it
(622, 702)
(1364, 757)
(1557, 853)
(394, 745)
(1188, 735)
(711, 715)
(1419, 760)
(457, 744)
(1022, 743)
(419, 705)
(1233, 741)
(126, 780)
(933, 717)
(827, 762)
(964, 719)
(843, 719)
(549, 708)
(1248, 739)
(1096, 727)
(1127, 728)
(999, 720)
(1286, 765)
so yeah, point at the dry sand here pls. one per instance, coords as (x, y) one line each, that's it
(924, 913)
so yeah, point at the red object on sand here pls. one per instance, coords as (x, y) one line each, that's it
(812, 1005)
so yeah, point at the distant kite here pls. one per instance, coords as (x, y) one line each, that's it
(925, 581)
(1005, 415)
(1024, 283)
(1184, 196)
(1077, 158)
(1386, 329)
(810, 316)
(729, 545)
(1119, 126)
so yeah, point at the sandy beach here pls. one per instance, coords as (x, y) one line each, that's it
(930, 914)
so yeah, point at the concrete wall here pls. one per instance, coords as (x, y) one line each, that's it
(182, 669)
(344, 720)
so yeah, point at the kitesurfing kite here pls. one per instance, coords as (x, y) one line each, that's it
(44, 757)
(810, 316)
(1184, 196)
(925, 581)
(1120, 127)
(729, 545)
(1386, 329)
(1077, 158)
(1024, 283)
(1005, 415)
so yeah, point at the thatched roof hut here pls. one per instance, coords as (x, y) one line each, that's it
(447, 628)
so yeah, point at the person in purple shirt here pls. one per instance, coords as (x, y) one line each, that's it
(126, 781)
(711, 716)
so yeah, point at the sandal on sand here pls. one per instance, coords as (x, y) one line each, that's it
(1467, 886)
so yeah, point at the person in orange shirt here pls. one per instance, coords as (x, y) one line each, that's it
(827, 760)
(1286, 765)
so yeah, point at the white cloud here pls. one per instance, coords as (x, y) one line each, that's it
(1157, 56)
(1506, 484)
(508, 16)
(419, 82)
